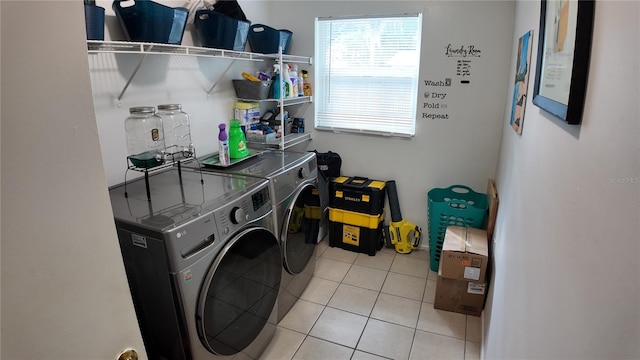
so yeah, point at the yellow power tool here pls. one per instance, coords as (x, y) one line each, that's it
(401, 234)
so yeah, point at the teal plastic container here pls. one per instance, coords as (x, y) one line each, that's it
(148, 21)
(266, 40)
(456, 205)
(216, 30)
(237, 141)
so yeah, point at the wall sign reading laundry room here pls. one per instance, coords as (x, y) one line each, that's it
(464, 55)
(462, 51)
(439, 92)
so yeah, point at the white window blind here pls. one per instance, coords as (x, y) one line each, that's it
(366, 74)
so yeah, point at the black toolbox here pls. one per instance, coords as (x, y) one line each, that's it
(356, 214)
(357, 194)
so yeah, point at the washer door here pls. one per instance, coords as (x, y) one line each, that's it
(300, 235)
(239, 292)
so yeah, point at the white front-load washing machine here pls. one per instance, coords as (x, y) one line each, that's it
(293, 185)
(202, 261)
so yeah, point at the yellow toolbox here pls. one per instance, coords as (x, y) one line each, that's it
(355, 231)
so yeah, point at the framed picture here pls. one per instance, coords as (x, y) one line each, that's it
(564, 49)
(521, 84)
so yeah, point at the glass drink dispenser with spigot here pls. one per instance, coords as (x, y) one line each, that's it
(177, 131)
(145, 137)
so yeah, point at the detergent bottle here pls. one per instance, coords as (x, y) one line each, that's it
(237, 141)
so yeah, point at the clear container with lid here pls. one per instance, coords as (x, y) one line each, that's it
(145, 137)
(177, 131)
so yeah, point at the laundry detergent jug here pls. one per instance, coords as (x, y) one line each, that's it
(237, 141)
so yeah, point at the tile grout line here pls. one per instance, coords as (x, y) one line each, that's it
(377, 297)
(324, 307)
(371, 311)
(307, 333)
(415, 330)
(466, 329)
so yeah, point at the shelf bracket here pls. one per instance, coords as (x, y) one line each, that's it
(135, 71)
(220, 78)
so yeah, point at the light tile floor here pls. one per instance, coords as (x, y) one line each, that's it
(373, 307)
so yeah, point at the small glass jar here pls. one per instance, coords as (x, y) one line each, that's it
(145, 137)
(177, 131)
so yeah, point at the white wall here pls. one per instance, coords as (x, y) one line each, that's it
(566, 281)
(460, 150)
(64, 290)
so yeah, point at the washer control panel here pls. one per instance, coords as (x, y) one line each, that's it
(249, 207)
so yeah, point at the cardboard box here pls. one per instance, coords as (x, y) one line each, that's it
(465, 297)
(465, 254)
(247, 112)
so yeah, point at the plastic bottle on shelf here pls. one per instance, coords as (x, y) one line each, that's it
(293, 74)
(300, 82)
(286, 79)
(277, 86)
(306, 85)
(223, 145)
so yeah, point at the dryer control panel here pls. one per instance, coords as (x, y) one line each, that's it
(287, 182)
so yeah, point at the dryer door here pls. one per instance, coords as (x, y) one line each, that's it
(240, 291)
(299, 236)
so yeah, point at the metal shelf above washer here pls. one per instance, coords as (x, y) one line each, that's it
(285, 102)
(145, 49)
(127, 47)
(290, 140)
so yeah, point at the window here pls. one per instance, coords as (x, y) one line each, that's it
(366, 74)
